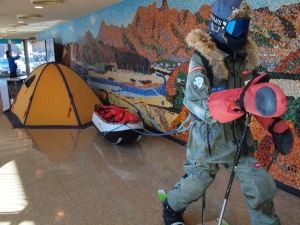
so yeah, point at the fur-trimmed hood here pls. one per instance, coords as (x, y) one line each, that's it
(203, 43)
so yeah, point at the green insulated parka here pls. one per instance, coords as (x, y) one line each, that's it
(211, 141)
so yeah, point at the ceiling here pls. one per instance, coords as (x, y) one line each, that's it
(51, 15)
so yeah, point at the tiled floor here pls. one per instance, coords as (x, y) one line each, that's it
(75, 177)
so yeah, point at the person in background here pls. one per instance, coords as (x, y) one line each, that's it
(12, 64)
(225, 58)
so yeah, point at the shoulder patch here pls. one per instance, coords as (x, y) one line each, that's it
(198, 82)
(195, 68)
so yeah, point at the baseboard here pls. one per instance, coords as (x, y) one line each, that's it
(287, 188)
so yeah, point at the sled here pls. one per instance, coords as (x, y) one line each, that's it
(117, 124)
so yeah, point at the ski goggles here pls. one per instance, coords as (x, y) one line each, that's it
(233, 27)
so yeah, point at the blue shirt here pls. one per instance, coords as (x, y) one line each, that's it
(12, 65)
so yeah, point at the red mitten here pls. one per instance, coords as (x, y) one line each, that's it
(282, 135)
(257, 97)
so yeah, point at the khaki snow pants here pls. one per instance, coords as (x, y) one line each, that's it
(258, 186)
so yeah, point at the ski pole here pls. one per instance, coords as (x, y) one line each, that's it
(274, 156)
(236, 161)
(203, 208)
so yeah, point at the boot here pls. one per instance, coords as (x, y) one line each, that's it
(170, 216)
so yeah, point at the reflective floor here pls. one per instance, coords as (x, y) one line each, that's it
(76, 177)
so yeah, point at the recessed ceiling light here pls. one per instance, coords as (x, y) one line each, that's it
(18, 24)
(38, 7)
(28, 16)
(47, 2)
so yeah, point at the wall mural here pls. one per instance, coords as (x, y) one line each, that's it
(133, 54)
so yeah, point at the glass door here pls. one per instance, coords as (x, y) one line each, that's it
(4, 68)
(21, 62)
(36, 54)
(15, 49)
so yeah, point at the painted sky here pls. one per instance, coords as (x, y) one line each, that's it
(123, 13)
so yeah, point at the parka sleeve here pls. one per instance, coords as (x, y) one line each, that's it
(198, 90)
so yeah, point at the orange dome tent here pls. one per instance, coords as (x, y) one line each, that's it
(55, 96)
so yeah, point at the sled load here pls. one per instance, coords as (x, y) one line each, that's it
(117, 124)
